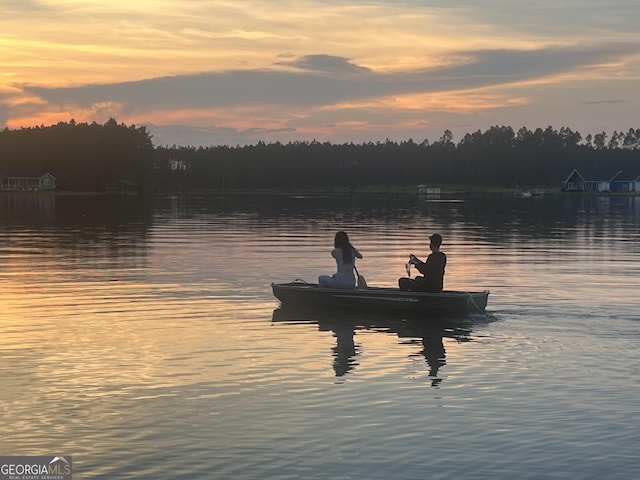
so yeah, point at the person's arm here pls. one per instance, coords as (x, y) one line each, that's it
(358, 254)
(420, 265)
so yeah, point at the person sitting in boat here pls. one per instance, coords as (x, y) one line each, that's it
(432, 270)
(345, 255)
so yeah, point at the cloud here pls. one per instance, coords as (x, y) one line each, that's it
(22, 6)
(544, 17)
(315, 80)
(329, 64)
(604, 102)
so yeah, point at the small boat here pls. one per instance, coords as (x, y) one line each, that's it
(447, 302)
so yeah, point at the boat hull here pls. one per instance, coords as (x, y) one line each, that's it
(448, 302)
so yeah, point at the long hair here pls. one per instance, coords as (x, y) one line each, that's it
(342, 241)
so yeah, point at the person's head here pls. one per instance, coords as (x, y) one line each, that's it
(341, 240)
(435, 240)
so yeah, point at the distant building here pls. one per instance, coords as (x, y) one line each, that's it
(176, 164)
(622, 183)
(429, 189)
(598, 182)
(45, 183)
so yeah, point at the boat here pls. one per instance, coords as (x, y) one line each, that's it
(447, 302)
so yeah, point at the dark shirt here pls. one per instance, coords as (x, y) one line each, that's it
(433, 271)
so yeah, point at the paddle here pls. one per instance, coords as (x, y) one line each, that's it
(361, 283)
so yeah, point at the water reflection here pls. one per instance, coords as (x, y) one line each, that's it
(425, 334)
(70, 233)
(435, 354)
(19, 206)
(345, 351)
(494, 219)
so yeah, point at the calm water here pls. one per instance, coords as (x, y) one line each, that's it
(141, 337)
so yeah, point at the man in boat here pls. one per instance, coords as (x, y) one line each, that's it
(432, 270)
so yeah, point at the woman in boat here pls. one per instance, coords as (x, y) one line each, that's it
(345, 255)
(432, 270)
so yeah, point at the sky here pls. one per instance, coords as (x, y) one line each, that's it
(235, 72)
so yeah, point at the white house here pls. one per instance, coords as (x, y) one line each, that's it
(429, 189)
(46, 182)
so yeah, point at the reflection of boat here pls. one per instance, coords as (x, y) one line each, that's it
(413, 325)
(411, 330)
(448, 302)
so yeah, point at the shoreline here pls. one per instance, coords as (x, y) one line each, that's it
(449, 190)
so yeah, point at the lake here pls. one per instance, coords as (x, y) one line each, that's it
(141, 337)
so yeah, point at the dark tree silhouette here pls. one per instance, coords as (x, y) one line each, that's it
(90, 157)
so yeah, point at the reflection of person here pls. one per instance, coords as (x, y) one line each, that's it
(435, 355)
(345, 255)
(345, 351)
(432, 270)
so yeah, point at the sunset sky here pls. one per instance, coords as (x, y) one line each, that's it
(210, 72)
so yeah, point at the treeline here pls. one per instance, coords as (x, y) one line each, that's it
(82, 157)
(90, 157)
(498, 157)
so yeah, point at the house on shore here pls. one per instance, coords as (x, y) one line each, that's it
(429, 189)
(43, 183)
(599, 182)
(176, 164)
(622, 183)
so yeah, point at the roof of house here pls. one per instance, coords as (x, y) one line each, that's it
(595, 175)
(25, 174)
